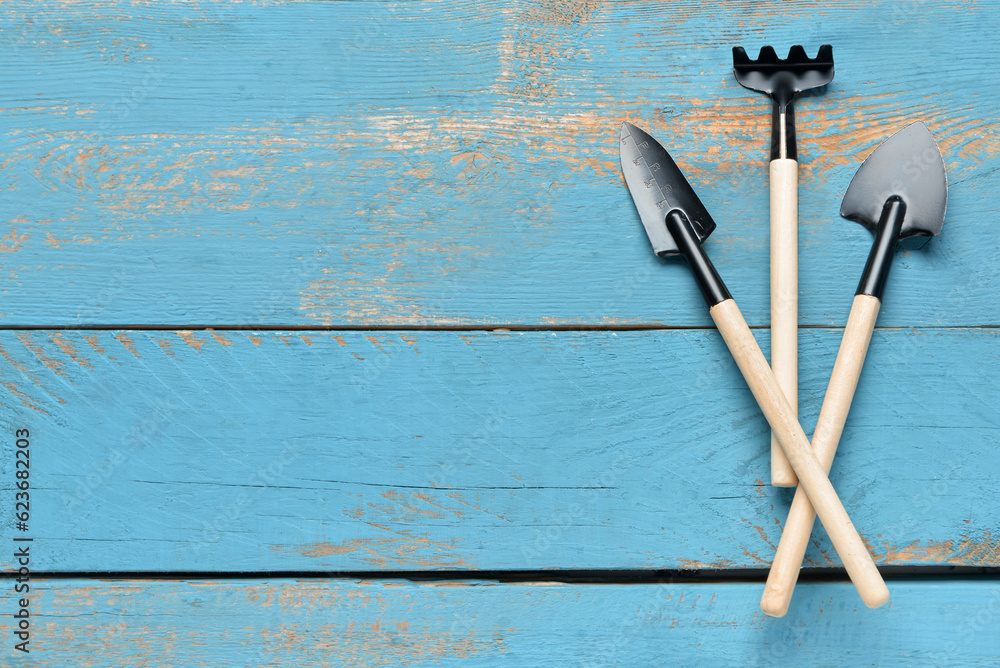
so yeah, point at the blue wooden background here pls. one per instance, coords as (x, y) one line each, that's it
(348, 288)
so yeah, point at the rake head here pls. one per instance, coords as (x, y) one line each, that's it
(783, 78)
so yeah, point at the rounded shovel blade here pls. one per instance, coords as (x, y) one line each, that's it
(908, 165)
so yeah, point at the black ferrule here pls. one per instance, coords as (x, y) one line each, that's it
(783, 129)
(712, 288)
(880, 258)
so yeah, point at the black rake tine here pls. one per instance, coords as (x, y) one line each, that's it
(796, 55)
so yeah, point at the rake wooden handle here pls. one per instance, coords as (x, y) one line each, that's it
(839, 394)
(812, 477)
(784, 300)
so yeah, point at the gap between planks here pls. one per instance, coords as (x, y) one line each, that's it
(440, 328)
(568, 576)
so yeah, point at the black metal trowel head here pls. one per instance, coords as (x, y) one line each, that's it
(781, 78)
(908, 166)
(658, 187)
(900, 191)
(675, 220)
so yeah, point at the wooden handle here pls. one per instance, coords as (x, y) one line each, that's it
(812, 477)
(833, 415)
(784, 300)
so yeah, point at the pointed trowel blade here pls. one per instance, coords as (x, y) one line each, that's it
(907, 165)
(657, 187)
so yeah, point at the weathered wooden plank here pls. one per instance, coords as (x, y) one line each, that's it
(240, 450)
(257, 623)
(331, 163)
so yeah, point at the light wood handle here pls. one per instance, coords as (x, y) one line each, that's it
(784, 300)
(812, 477)
(839, 394)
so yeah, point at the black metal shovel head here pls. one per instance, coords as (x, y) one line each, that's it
(907, 165)
(658, 187)
(794, 74)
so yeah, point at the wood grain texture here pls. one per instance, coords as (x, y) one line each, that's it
(331, 163)
(784, 197)
(319, 623)
(367, 163)
(455, 450)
